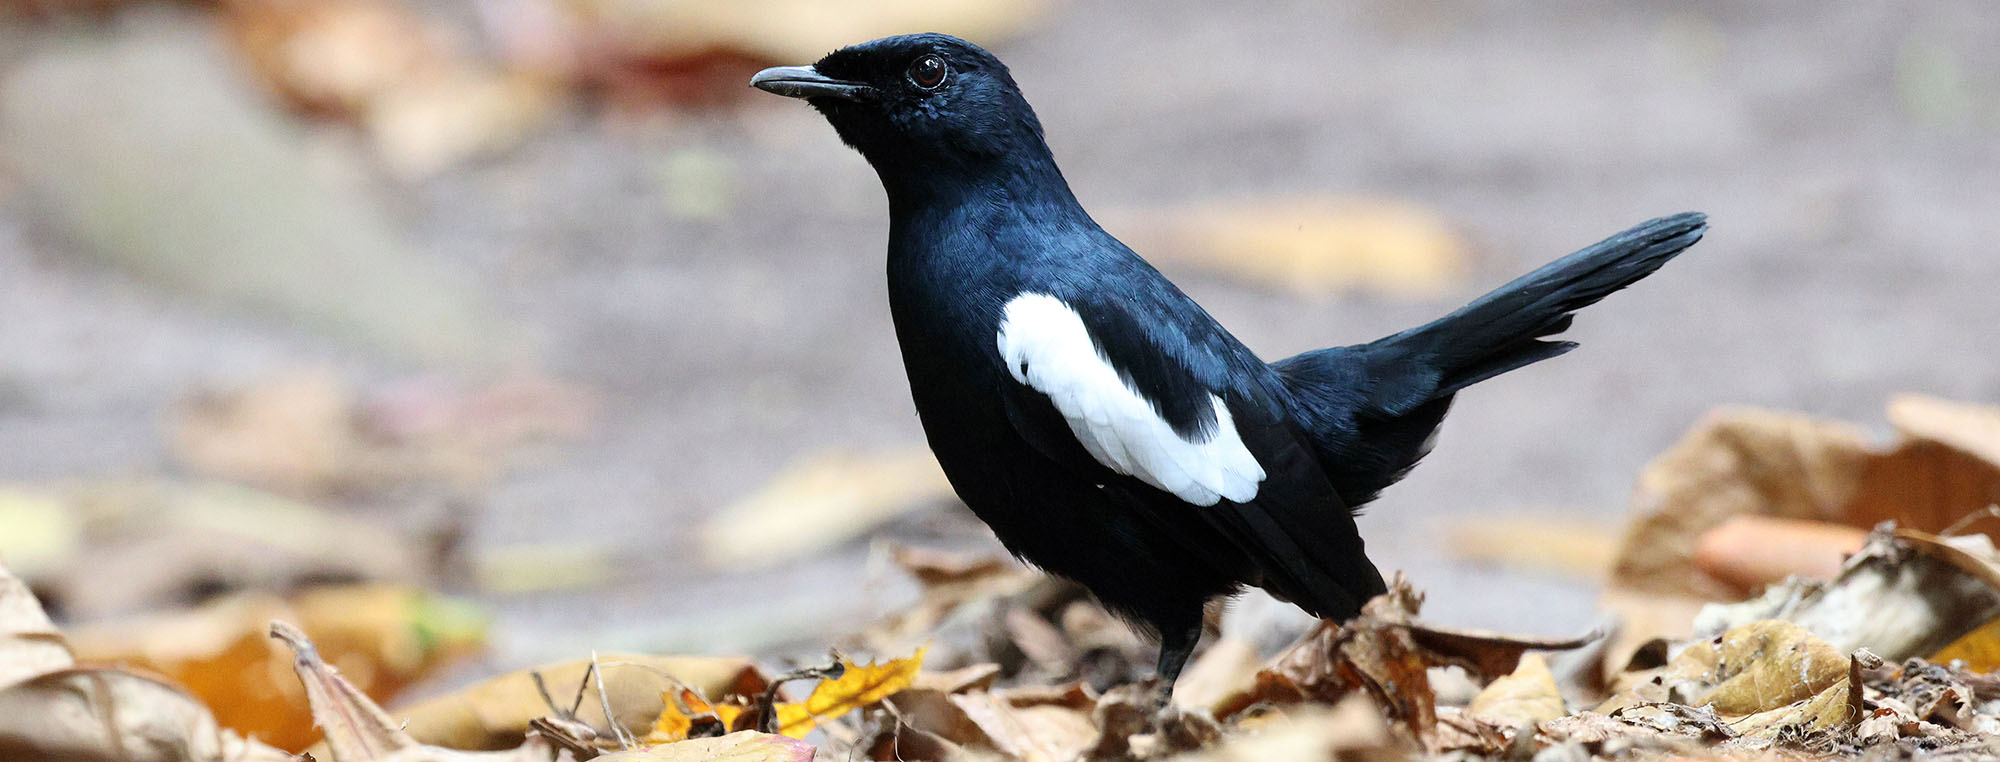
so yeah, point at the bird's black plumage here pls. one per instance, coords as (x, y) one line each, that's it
(1103, 425)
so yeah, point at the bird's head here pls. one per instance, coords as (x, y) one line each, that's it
(917, 103)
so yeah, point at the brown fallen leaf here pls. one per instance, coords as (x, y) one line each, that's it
(387, 637)
(820, 502)
(1305, 244)
(1750, 462)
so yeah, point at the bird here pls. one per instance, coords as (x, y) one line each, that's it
(1102, 424)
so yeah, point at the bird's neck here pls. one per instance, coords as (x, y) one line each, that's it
(1022, 185)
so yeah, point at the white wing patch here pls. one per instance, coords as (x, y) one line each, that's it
(1047, 347)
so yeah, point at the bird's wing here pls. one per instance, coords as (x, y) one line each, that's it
(1097, 390)
(1200, 459)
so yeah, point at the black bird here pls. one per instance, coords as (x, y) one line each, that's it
(1094, 416)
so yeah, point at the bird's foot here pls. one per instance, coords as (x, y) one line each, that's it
(1140, 720)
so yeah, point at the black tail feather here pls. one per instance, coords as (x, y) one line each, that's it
(1370, 409)
(1504, 329)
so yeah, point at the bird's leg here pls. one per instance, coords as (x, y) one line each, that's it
(1176, 645)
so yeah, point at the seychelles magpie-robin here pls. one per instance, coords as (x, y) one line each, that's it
(1103, 425)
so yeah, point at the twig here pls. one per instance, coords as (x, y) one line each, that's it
(767, 707)
(625, 739)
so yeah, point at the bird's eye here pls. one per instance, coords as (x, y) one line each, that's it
(927, 72)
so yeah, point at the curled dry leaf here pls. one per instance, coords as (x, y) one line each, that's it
(1905, 594)
(1747, 461)
(30, 644)
(1307, 245)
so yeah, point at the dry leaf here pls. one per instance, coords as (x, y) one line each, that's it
(307, 433)
(1528, 696)
(820, 502)
(1750, 669)
(745, 746)
(50, 709)
(152, 543)
(111, 715)
(357, 730)
(30, 645)
(858, 686)
(1749, 552)
(1034, 725)
(1306, 245)
(1351, 730)
(1744, 461)
(386, 637)
(1905, 594)
(376, 62)
(1562, 545)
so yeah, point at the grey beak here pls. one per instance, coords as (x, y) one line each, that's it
(805, 82)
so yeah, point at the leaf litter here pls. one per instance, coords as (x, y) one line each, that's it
(1881, 655)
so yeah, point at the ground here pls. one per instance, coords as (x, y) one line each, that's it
(1849, 157)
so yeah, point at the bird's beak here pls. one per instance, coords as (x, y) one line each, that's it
(806, 82)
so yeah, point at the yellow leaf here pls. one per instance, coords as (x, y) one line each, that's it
(857, 687)
(1979, 649)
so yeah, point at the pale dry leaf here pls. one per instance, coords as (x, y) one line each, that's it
(30, 644)
(1528, 696)
(147, 542)
(819, 502)
(1306, 244)
(1035, 725)
(744, 746)
(1972, 428)
(1351, 730)
(1557, 544)
(493, 713)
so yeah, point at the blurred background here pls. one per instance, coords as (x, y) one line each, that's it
(534, 302)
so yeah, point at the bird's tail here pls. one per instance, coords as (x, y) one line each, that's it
(1509, 327)
(1371, 409)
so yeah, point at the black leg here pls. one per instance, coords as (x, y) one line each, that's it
(1177, 643)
